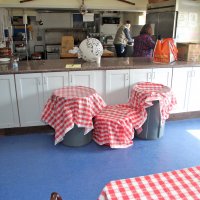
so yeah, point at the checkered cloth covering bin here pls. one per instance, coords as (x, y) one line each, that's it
(144, 93)
(114, 126)
(179, 184)
(72, 105)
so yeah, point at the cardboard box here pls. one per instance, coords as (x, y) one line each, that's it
(67, 42)
(188, 52)
(68, 55)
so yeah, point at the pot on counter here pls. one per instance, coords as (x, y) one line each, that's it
(5, 52)
(36, 56)
(38, 52)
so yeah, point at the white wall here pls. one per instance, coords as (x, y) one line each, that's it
(140, 5)
(56, 20)
(188, 26)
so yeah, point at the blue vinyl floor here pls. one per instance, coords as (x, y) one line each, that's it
(31, 167)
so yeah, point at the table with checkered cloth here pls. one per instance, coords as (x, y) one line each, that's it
(114, 126)
(72, 105)
(144, 93)
(179, 184)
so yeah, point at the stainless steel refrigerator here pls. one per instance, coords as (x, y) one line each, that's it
(163, 17)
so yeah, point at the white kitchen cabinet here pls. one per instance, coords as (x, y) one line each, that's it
(140, 75)
(117, 86)
(92, 79)
(162, 76)
(194, 88)
(180, 87)
(82, 78)
(186, 87)
(33, 91)
(30, 98)
(100, 83)
(156, 75)
(53, 81)
(8, 102)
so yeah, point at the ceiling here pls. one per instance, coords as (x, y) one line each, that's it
(140, 5)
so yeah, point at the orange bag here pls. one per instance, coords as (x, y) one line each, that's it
(165, 51)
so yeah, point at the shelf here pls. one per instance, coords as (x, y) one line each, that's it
(64, 29)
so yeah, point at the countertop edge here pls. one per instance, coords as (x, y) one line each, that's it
(45, 66)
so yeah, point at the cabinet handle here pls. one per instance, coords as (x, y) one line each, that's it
(126, 77)
(193, 73)
(71, 79)
(149, 76)
(190, 74)
(44, 80)
(38, 81)
(153, 75)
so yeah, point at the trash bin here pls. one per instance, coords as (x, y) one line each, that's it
(152, 128)
(76, 138)
(154, 101)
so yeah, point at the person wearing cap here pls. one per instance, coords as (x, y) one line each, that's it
(122, 37)
(144, 44)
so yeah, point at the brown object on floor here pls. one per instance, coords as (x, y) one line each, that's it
(55, 196)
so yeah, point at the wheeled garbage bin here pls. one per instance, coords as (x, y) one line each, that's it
(152, 128)
(154, 102)
(75, 137)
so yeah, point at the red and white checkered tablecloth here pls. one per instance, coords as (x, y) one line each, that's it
(144, 93)
(114, 126)
(72, 105)
(179, 184)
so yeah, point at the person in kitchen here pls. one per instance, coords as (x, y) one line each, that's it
(122, 37)
(144, 43)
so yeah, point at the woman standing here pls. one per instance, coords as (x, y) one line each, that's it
(144, 44)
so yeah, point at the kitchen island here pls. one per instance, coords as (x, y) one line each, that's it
(37, 66)
(26, 89)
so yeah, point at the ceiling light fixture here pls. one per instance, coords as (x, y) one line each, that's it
(83, 8)
(128, 2)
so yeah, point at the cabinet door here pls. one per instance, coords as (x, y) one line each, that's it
(140, 75)
(100, 83)
(117, 86)
(53, 81)
(8, 102)
(180, 87)
(194, 97)
(82, 78)
(30, 98)
(162, 76)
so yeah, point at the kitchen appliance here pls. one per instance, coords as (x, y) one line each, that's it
(163, 17)
(52, 51)
(110, 20)
(38, 53)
